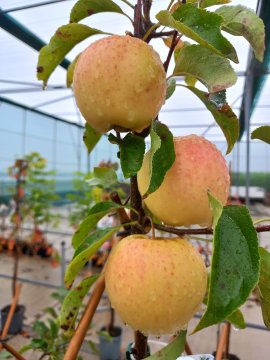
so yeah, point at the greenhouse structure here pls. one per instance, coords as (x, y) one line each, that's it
(87, 88)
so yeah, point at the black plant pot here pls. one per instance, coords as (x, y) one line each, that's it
(110, 349)
(16, 324)
(230, 356)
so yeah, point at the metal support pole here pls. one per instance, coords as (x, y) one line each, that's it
(63, 263)
(247, 112)
(237, 168)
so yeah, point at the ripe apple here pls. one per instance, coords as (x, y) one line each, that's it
(119, 82)
(182, 199)
(156, 285)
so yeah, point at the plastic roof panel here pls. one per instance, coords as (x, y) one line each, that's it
(18, 63)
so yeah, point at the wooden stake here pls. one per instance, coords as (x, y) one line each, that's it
(11, 312)
(13, 351)
(188, 349)
(223, 341)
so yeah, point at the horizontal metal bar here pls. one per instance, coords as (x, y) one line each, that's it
(53, 232)
(31, 89)
(248, 325)
(31, 6)
(10, 102)
(31, 281)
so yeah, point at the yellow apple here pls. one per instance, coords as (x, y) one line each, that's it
(156, 285)
(119, 82)
(182, 199)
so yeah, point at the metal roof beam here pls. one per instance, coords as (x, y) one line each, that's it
(7, 101)
(15, 28)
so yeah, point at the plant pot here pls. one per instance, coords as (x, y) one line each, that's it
(110, 347)
(17, 319)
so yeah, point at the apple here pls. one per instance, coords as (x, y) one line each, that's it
(156, 285)
(119, 83)
(182, 199)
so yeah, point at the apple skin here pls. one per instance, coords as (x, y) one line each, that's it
(157, 285)
(182, 199)
(119, 82)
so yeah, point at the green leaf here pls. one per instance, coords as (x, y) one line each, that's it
(190, 80)
(212, 70)
(53, 329)
(72, 303)
(96, 213)
(223, 115)
(81, 259)
(235, 265)
(264, 285)
(103, 177)
(132, 148)
(85, 8)
(70, 71)
(90, 137)
(22, 350)
(89, 240)
(208, 3)
(6, 355)
(262, 133)
(65, 38)
(171, 86)
(162, 155)
(173, 350)
(39, 344)
(237, 319)
(216, 208)
(40, 328)
(200, 25)
(241, 21)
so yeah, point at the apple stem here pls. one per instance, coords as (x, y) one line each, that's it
(174, 42)
(202, 231)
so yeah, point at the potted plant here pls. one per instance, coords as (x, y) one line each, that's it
(39, 197)
(110, 338)
(17, 171)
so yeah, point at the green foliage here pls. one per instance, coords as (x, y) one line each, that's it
(258, 179)
(85, 8)
(173, 350)
(262, 133)
(216, 76)
(208, 3)
(264, 285)
(200, 25)
(237, 319)
(90, 137)
(103, 177)
(224, 116)
(162, 155)
(171, 86)
(72, 304)
(235, 264)
(82, 257)
(241, 21)
(64, 39)
(70, 72)
(40, 194)
(49, 339)
(83, 197)
(132, 149)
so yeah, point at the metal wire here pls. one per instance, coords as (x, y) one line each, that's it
(26, 7)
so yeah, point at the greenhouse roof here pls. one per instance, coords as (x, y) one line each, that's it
(35, 24)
